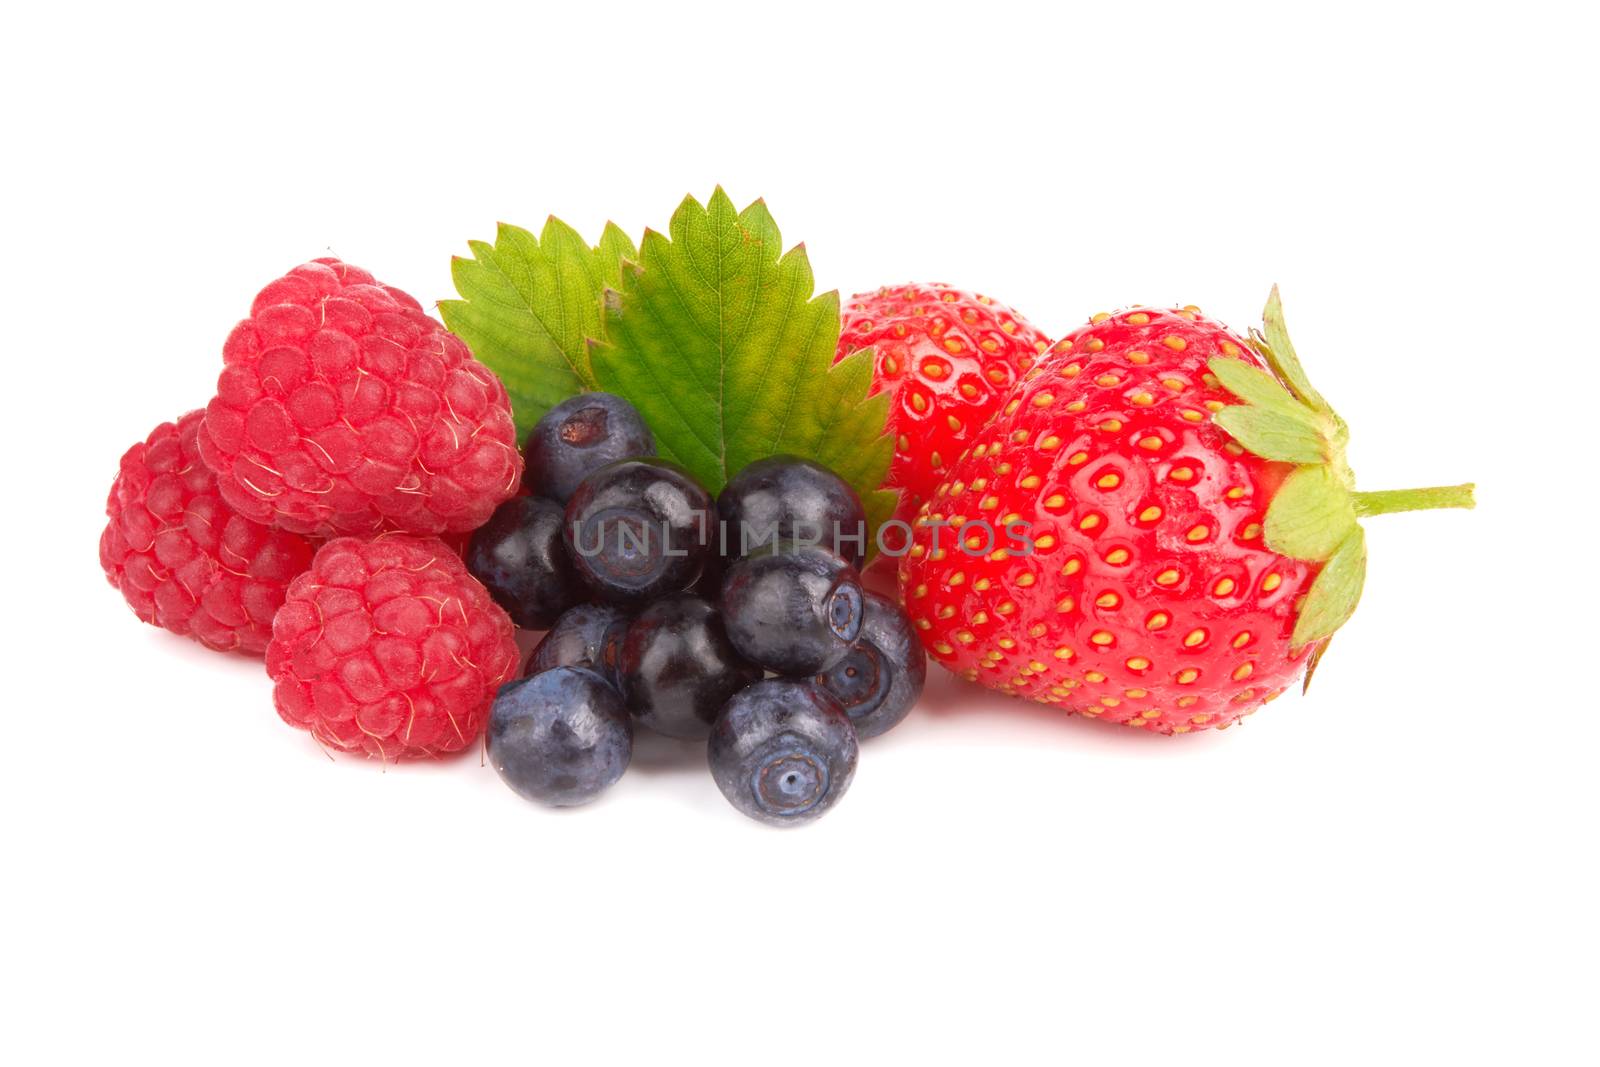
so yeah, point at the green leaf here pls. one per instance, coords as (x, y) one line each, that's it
(530, 305)
(716, 338)
(1310, 515)
(1335, 593)
(1280, 355)
(880, 505)
(1271, 434)
(1256, 386)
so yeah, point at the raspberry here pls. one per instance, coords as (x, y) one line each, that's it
(391, 647)
(343, 409)
(182, 558)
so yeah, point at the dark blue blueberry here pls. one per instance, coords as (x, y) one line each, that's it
(519, 557)
(677, 668)
(561, 737)
(881, 676)
(791, 499)
(782, 752)
(579, 436)
(589, 635)
(639, 529)
(792, 608)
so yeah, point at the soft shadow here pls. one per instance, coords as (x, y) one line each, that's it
(948, 698)
(658, 756)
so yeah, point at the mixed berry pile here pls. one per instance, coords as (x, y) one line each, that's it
(1150, 521)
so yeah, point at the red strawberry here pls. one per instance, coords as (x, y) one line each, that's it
(1190, 553)
(950, 357)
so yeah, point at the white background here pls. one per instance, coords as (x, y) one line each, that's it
(1397, 868)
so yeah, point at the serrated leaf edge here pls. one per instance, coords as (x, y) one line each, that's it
(536, 250)
(757, 224)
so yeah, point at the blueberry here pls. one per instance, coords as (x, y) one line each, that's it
(579, 436)
(792, 608)
(639, 529)
(881, 676)
(519, 556)
(561, 737)
(677, 668)
(788, 498)
(782, 752)
(588, 635)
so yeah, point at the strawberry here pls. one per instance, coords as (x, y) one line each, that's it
(950, 357)
(1190, 540)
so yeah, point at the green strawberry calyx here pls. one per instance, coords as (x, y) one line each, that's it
(1314, 515)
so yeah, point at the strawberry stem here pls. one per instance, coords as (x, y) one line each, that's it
(1387, 501)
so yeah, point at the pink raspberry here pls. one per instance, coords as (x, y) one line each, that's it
(182, 558)
(389, 646)
(344, 409)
